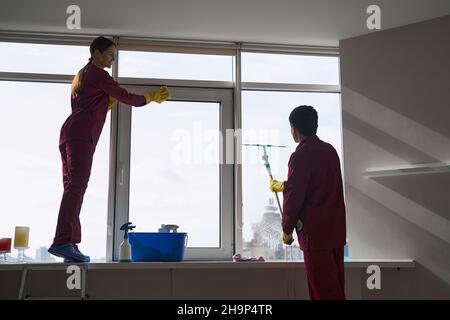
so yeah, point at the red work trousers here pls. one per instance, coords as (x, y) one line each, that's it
(76, 159)
(325, 272)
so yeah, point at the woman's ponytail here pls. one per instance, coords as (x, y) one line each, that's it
(101, 44)
(76, 82)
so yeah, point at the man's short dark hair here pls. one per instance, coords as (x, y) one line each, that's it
(304, 118)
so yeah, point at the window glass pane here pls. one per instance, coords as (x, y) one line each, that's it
(265, 120)
(32, 171)
(42, 58)
(174, 170)
(283, 68)
(162, 65)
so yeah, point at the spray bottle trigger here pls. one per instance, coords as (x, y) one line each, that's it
(127, 227)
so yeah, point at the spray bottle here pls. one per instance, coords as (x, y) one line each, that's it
(125, 247)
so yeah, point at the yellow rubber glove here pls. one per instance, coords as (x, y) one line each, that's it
(276, 186)
(111, 102)
(287, 238)
(160, 95)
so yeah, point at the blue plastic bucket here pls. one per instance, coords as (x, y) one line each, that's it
(156, 246)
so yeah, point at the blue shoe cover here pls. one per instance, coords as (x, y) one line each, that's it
(67, 251)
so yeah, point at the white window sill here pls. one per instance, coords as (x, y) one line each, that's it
(352, 264)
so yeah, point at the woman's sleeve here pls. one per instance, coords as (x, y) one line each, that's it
(112, 88)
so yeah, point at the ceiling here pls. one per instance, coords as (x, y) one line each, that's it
(296, 22)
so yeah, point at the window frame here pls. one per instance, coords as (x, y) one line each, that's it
(235, 86)
(283, 87)
(122, 164)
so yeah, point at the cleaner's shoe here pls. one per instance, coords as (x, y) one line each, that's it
(70, 260)
(67, 251)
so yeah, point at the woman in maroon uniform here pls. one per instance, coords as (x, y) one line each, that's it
(94, 92)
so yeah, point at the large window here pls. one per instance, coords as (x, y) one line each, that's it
(174, 176)
(160, 65)
(284, 68)
(42, 58)
(172, 171)
(265, 121)
(32, 186)
(170, 162)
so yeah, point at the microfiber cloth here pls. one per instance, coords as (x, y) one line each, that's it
(239, 258)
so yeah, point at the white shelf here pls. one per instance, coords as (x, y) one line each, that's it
(402, 170)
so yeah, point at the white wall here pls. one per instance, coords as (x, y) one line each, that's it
(396, 110)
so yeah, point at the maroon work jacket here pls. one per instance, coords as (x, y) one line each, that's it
(313, 193)
(90, 106)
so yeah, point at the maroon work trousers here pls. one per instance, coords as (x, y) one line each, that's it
(325, 272)
(76, 159)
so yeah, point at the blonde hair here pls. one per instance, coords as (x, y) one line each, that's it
(101, 44)
(76, 82)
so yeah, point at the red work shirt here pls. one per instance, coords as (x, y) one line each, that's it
(90, 106)
(314, 194)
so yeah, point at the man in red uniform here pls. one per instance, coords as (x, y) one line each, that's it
(93, 94)
(313, 194)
